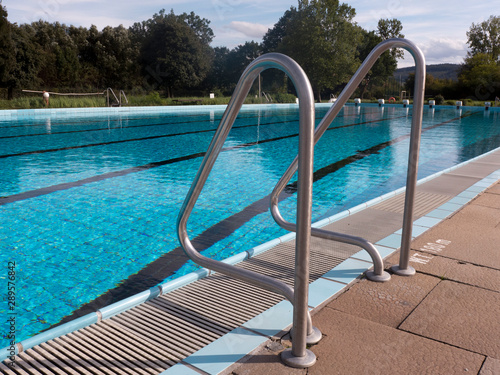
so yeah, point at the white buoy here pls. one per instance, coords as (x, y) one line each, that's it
(357, 101)
(458, 104)
(487, 105)
(432, 103)
(381, 102)
(405, 103)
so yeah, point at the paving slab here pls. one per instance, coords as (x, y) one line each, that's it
(488, 200)
(460, 315)
(451, 269)
(495, 189)
(265, 361)
(366, 224)
(476, 169)
(358, 346)
(491, 158)
(474, 220)
(490, 367)
(447, 185)
(385, 303)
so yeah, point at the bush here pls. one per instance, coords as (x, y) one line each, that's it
(439, 99)
(283, 98)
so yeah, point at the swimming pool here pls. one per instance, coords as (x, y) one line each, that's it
(89, 204)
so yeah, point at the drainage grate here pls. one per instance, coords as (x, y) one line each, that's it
(156, 335)
(424, 203)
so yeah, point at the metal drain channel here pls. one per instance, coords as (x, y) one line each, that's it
(424, 202)
(157, 334)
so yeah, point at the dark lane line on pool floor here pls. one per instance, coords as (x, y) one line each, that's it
(169, 263)
(143, 138)
(157, 271)
(132, 127)
(201, 120)
(116, 142)
(68, 185)
(331, 168)
(57, 121)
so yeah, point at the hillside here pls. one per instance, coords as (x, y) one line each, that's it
(449, 71)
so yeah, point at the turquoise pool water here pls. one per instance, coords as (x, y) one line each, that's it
(88, 202)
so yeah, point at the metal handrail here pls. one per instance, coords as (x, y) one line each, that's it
(378, 273)
(107, 95)
(125, 96)
(304, 332)
(118, 101)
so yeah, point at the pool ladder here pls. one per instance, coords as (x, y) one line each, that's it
(303, 331)
(118, 100)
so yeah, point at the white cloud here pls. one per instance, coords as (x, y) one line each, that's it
(252, 30)
(452, 50)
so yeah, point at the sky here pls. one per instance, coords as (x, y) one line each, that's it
(438, 28)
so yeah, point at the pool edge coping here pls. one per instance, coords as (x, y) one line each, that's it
(153, 292)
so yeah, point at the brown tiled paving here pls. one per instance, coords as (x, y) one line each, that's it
(491, 367)
(444, 320)
(460, 315)
(386, 303)
(477, 169)
(358, 346)
(352, 345)
(488, 200)
(495, 189)
(447, 185)
(473, 233)
(452, 269)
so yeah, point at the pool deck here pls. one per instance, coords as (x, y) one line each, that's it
(443, 320)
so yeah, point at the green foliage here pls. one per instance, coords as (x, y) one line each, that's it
(391, 28)
(435, 86)
(7, 56)
(33, 102)
(175, 51)
(480, 77)
(283, 98)
(439, 99)
(321, 36)
(484, 38)
(171, 53)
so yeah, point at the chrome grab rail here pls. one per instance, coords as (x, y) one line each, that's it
(303, 331)
(122, 93)
(378, 274)
(118, 101)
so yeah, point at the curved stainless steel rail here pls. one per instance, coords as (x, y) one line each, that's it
(304, 332)
(378, 273)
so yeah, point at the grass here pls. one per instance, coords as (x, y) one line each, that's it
(153, 99)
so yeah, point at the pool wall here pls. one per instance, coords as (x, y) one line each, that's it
(17, 114)
(128, 303)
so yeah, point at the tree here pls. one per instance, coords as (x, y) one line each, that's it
(387, 63)
(7, 57)
(239, 58)
(116, 57)
(480, 76)
(273, 38)
(321, 37)
(60, 66)
(175, 51)
(388, 29)
(485, 38)
(27, 53)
